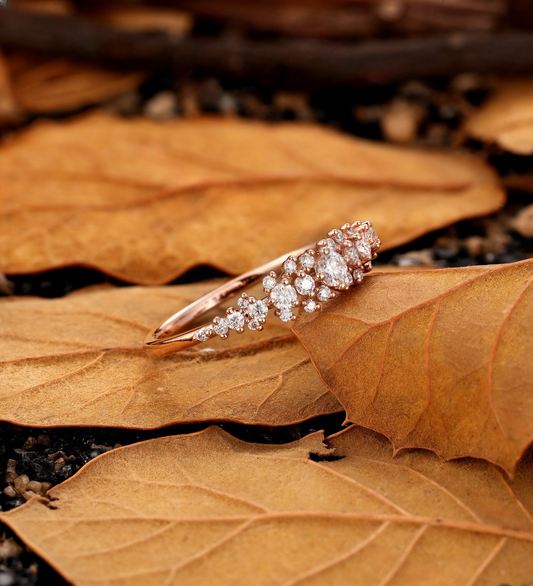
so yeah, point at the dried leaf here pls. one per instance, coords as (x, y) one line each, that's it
(506, 118)
(44, 85)
(79, 361)
(434, 359)
(146, 201)
(209, 509)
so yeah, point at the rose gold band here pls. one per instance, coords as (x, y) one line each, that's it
(312, 272)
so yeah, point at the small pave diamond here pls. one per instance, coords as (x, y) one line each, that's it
(242, 303)
(235, 320)
(221, 328)
(283, 296)
(358, 275)
(348, 279)
(305, 285)
(351, 256)
(364, 249)
(324, 293)
(201, 335)
(310, 306)
(338, 236)
(307, 261)
(286, 315)
(259, 309)
(289, 266)
(254, 324)
(269, 283)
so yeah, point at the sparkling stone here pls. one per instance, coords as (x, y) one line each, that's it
(221, 328)
(310, 306)
(254, 324)
(259, 309)
(289, 266)
(235, 320)
(324, 293)
(364, 248)
(242, 303)
(348, 279)
(338, 236)
(371, 236)
(330, 243)
(334, 268)
(283, 296)
(351, 256)
(269, 282)
(307, 261)
(201, 335)
(285, 315)
(305, 285)
(358, 275)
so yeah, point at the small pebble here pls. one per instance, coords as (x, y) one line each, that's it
(9, 547)
(35, 486)
(416, 257)
(9, 491)
(11, 471)
(29, 494)
(162, 106)
(59, 463)
(21, 483)
(44, 440)
(29, 444)
(45, 487)
(401, 121)
(476, 245)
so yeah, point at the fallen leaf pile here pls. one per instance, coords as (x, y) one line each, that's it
(436, 359)
(209, 509)
(146, 201)
(79, 360)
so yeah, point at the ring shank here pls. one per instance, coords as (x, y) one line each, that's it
(167, 339)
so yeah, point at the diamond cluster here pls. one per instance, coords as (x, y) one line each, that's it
(336, 263)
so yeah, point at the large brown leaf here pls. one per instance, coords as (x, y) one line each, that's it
(209, 509)
(146, 201)
(79, 361)
(439, 359)
(507, 118)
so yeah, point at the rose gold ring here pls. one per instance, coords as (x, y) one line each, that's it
(309, 276)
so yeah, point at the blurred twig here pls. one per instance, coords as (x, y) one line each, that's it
(285, 63)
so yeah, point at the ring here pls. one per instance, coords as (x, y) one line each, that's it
(308, 277)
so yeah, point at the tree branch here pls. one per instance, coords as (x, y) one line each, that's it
(295, 64)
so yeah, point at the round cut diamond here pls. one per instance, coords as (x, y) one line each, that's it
(351, 256)
(348, 279)
(310, 306)
(254, 324)
(242, 303)
(285, 315)
(235, 320)
(259, 309)
(333, 267)
(305, 285)
(358, 275)
(283, 296)
(307, 261)
(269, 282)
(221, 328)
(371, 235)
(324, 293)
(289, 266)
(201, 335)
